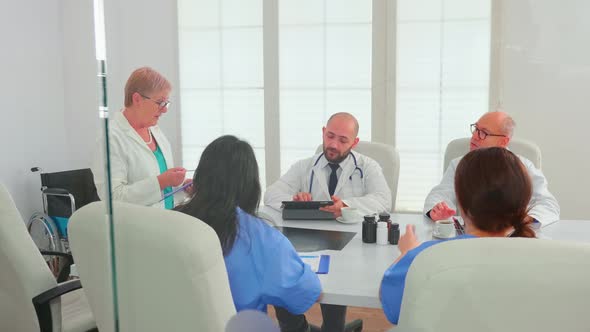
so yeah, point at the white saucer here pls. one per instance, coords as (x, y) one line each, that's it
(443, 237)
(340, 219)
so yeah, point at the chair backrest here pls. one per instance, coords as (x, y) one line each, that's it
(78, 182)
(23, 272)
(387, 157)
(498, 284)
(460, 146)
(170, 269)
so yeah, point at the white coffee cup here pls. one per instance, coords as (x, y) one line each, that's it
(350, 214)
(444, 228)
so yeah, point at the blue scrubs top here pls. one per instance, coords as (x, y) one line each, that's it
(394, 280)
(264, 268)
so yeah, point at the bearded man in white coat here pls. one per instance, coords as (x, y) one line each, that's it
(348, 178)
(337, 173)
(493, 129)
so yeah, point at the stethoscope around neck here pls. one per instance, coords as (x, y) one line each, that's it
(356, 167)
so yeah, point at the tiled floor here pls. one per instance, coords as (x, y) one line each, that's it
(373, 319)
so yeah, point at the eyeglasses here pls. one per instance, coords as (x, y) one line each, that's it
(482, 134)
(161, 104)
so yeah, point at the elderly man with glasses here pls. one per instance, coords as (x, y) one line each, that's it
(493, 129)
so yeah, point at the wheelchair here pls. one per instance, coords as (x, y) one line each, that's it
(62, 193)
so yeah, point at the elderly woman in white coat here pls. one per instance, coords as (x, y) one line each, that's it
(141, 164)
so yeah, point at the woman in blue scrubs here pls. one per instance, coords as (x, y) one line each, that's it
(262, 265)
(493, 192)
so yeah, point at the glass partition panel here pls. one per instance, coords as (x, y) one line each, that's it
(271, 72)
(53, 138)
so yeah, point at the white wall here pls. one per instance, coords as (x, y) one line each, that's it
(33, 96)
(81, 116)
(544, 83)
(44, 90)
(144, 33)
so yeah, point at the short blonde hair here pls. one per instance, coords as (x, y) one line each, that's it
(145, 81)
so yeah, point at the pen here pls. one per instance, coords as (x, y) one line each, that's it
(176, 190)
(458, 227)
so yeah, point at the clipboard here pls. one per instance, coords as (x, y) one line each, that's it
(320, 264)
(175, 191)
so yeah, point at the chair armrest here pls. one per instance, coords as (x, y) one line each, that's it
(42, 302)
(55, 191)
(57, 291)
(64, 270)
(69, 257)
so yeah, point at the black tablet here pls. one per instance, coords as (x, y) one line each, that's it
(309, 205)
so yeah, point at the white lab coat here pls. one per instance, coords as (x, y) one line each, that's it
(134, 168)
(369, 193)
(543, 206)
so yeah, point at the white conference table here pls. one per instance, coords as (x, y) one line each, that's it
(356, 271)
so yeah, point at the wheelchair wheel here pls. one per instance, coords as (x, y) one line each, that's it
(46, 237)
(44, 232)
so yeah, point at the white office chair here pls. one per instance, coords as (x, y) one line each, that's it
(30, 297)
(460, 146)
(387, 157)
(170, 269)
(498, 284)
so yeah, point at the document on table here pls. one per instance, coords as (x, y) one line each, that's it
(319, 264)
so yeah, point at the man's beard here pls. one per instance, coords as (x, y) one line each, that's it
(339, 158)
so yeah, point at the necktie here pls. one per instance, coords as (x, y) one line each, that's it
(333, 178)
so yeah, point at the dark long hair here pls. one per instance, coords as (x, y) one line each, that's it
(226, 178)
(494, 190)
